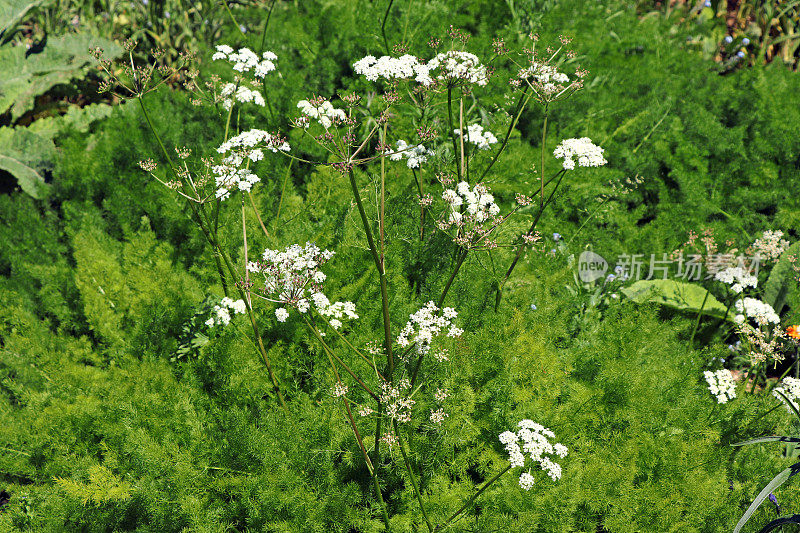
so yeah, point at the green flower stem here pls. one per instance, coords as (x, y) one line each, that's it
(699, 316)
(412, 478)
(379, 265)
(460, 261)
(347, 342)
(205, 226)
(198, 218)
(521, 104)
(521, 246)
(372, 472)
(544, 141)
(472, 499)
(451, 129)
(383, 27)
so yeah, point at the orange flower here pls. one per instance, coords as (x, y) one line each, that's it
(794, 331)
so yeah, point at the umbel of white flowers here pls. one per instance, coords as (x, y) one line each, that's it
(535, 440)
(293, 277)
(721, 384)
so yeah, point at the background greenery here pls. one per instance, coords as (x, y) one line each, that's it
(116, 416)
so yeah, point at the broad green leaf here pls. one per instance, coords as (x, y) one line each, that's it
(28, 179)
(26, 156)
(675, 294)
(62, 59)
(13, 11)
(776, 482)
(76, 117)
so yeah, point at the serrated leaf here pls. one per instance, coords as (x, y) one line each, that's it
(13, 11)
(782, 279)
(76, 117)
(776, 482)
(676, 295)
(62, 59)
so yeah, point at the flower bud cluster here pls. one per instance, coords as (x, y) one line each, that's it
(426, 324)
(721, 384)
(221, 315)
(770, 245)
(535, 440)
(587, 153)
(292, 277)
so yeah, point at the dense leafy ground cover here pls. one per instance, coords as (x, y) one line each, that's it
(120, 410)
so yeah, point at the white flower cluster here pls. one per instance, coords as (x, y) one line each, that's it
(479, 202)
(416, 155)
(247, 146)
(535, 440)
(398, 403)
(221, 315)
(245, 60)
(761, 312)
(737, 277)
(391, 68)
(477, 136)
(789, 387)
(545, 78)
(293, 277)
(721, 384)
(426, 324)
(240, 93)
(770, 245)
(458, 66)
(324, 112)
(587, 153)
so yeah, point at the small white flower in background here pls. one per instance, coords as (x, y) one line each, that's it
(339, 390)
(456, 66)
(477, 136)
(281, 314)
(365, 410)
(292, 277)
(390, 68)
(789, 387)
(221, 314)
(761, 312)
(587, 153)
(441, 395)
(245, 60)
(535, 441)
(770, 245)
(721, 384)
(426, 324)
(322, 111)
(398, 404)
(416, 155)
(526, 481)
(438, 416)
(737, 277)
